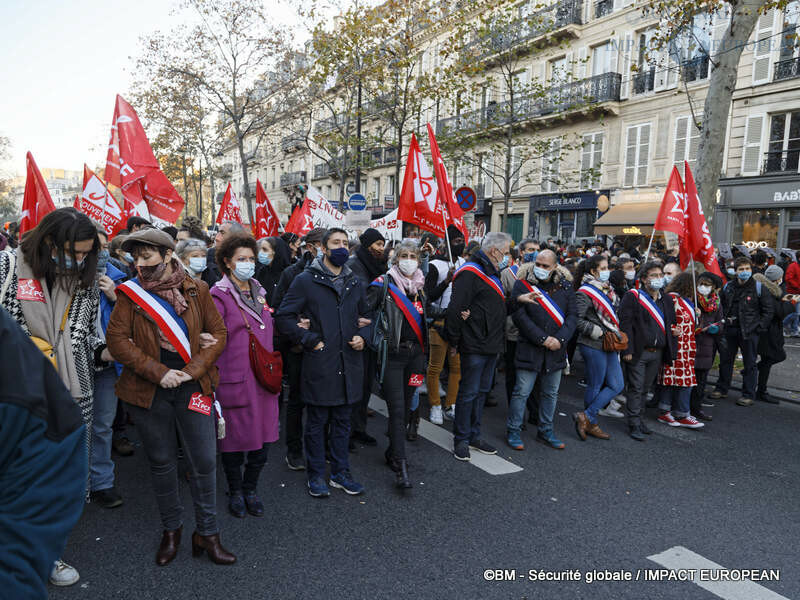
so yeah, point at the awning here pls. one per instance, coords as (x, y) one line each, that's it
(628, 218)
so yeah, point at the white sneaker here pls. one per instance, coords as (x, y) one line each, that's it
(450, 413)
(611, 411)
(63, 575)
(620, 399)
(436, 415)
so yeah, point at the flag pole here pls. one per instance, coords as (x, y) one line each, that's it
(446, 236)
(647, 253)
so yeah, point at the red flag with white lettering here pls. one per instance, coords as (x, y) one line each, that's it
(672, 214)
(36, 202)
(453, 213)
(697, 244)
(98, 204)
(229, 209)
(267, 222)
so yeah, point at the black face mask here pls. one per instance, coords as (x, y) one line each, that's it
(457, 249)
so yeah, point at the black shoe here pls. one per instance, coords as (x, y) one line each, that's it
(401, 480)
(645, 429)
(362, 437)
(765, 397)
(412, 428)
(254, 505)
(122, 446)
(461, 452)
(490, 403)
(236, 505)
(704, 416)
(483, 447)
(295, 462)
(636, 433)
(108, 498)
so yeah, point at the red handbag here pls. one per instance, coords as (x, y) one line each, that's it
(267, 366)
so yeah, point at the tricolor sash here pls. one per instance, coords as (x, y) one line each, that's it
(600, 300)
(547, 303)
(514, 270)
(687, 306)
(407, 307)
(169, 322)
(491, 280)
(651, 307)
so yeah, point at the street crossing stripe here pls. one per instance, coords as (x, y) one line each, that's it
(679, 557)
(491, 463)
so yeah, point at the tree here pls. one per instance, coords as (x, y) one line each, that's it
(9, 210)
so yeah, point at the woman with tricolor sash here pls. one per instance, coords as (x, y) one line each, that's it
(399, 299)
(596, 304)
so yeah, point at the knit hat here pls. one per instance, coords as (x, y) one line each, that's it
(370, 236)
(773, 272)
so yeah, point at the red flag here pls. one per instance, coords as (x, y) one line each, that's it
(697, 244)
(99, 205)
(132, 167)
(453, 213)
(36, 202)
(267, 222)
(672, 214)
(229, 209)
(77, 203)
(301, 222)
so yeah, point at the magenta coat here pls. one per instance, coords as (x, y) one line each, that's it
(249, 410)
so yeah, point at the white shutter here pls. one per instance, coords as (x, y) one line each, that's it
(625, 65)
(681, 135)
(597, 161)
(612, 48)
(762, 49)
(693, 134)
(662, 64)
(582, 54)
(488, 189)
(570, 66)
(630, 156)
(751, 151)
(643, 154)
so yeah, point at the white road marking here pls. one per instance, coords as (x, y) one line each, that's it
(492, 464)
(679, 557)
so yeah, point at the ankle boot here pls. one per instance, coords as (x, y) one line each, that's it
(401, 479)
(212, 545)
(413, 425)
(390, 460)
(170, 541)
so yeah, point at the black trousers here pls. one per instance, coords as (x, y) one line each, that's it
(400, 366)
(358, 418)
(698, 391)
(294, 408)
(764, 367)
(232, 465)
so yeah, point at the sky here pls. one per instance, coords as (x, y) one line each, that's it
(62, 64)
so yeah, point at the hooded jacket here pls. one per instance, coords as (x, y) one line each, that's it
(770, 343)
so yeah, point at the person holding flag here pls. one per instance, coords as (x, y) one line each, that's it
(546, 320)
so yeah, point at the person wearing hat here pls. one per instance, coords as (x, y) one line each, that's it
(367, 263)
(770, 342)
(156, 332)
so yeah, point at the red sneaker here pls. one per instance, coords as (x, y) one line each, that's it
(690, 422)
(668, 419)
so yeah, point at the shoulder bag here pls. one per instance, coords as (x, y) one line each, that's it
(267, 366)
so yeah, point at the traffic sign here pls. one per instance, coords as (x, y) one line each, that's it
(466, 198)
(357, 202)
(350, 188)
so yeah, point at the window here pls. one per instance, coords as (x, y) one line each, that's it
(376, 188)
(390, 185)
(637, 151)
(656, 68)
(756, 226)
(550, 160)
(485, 171)
(463, 173)
(784, 143)
(591, 157)
(272, 186)
(558, 71)
(602, 59)
(687, 139)
(693, 48)
(789, 40)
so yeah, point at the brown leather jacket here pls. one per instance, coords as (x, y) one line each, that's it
(132, 339)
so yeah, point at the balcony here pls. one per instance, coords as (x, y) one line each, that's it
(293, 178)
(548, 20)
(320, 171)
(787, 69)
(330, 124)
(781, 162)
(295, 141)
(644, 81)
(226, 169)
(569, 97)
(695, 69)
(603, 8)
(251, 157)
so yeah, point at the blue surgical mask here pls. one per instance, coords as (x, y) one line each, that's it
(320, 253)
(530, 256)
(339, 256)
(264, 257)
(102, 260)
(503, 263)
(197, 263)
(128, 257)
(657, 283)
(541, 274)
(731, 272)
(668, 279)
(743, 275)
(630, 275)
(244, 270)
(604, 275)
(67, 264)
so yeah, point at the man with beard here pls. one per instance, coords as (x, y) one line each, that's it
(368, 263)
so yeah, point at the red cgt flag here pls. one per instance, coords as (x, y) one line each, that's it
(672, 214)
(453, 213)
(229, 209)
(37, 201)
(267, 222)
(697, 244)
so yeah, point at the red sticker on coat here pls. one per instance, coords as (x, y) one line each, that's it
(30, 289)
(200, 403)
(416, 380)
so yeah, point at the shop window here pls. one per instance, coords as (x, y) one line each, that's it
(756, 226)
(794, 215)
(584, 223)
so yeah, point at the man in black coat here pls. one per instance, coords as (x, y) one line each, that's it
(647, 317)
(334, 301)
(367, 264)
(212, 274)
(748, 311)
(475, 327)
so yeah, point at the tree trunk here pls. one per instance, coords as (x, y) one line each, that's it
(245, 180)
(717, 106)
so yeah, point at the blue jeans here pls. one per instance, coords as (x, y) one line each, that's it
(547, 402)
(792, 321)
(676, 399)
(317, 417)
(603, 379)
(477, 374)
(101, 467)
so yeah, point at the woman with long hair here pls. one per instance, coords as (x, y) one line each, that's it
(596, 304)
(49, 287)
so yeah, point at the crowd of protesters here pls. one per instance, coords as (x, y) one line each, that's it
(201, 344)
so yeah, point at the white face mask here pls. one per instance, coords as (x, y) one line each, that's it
(704, 290)
(407, 266)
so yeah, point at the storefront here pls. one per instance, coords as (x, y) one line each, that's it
(759, 211)
(568, 216)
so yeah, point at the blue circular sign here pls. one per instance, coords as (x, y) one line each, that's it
(466, 198)
(357, 201)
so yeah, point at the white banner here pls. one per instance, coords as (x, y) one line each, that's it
(389, 226)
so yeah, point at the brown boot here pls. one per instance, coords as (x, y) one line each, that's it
(595, 431)
(170, 541)
(211, 544)
(581, 423)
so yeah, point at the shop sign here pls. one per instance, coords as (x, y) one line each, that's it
(790, 196)
(570, 201)
(633, 230)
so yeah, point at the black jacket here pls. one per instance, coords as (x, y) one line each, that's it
(366, 267)
(755, 310)
(484, 331)
(394, 320)
(212, 274)
(269, 275)
(334, 375)
(535, 325)
(770, 343)
(619, 283)
(632, 317)
(707, 343)
(288, 276)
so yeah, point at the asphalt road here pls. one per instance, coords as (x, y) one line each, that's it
(728, 493)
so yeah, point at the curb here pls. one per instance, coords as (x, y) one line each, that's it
(785, 395)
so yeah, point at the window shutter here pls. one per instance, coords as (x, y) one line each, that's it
(630, 156)
(625, 65)
(515, 165)
(582, 54)
(488, 189)
(643, 154)
(762, 49)
(751, 152)
(597, 161)
(612, 47)
(570, 66)
(719, 26)
(681, 132)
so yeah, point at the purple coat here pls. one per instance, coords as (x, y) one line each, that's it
(249, 410)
